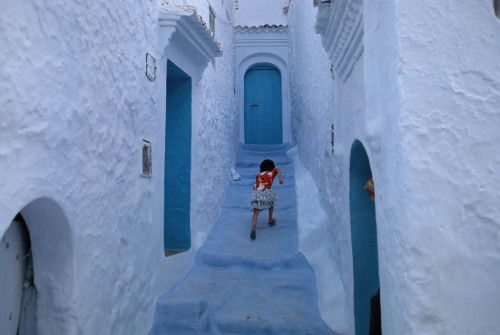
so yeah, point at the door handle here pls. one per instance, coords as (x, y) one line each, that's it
(254, 105)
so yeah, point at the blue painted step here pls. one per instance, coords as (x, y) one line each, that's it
(240, 286)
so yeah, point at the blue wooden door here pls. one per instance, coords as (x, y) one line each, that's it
(363, 238)
(263, 116)
(177, 187)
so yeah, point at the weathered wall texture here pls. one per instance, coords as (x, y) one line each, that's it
(75, 106)
(450, 94)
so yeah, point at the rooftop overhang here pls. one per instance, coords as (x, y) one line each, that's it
(188, 27)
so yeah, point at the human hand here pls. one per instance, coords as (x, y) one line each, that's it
(281, 181)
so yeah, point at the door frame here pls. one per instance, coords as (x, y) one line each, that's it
(282, 66)
(265, 67)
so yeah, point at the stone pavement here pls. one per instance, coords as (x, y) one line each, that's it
(243, 286)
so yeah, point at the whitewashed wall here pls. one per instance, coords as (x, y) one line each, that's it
(449, 121)
(260, 12)
(423, 99)
(313, 112)
(327, 94)
(75, 106)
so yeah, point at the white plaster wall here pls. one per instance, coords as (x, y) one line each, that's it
(75, 106)
(383, 143)
(215, 130)
(353, 103)
(319, 101)
(423, 99)
(313, 103)
(450, 91)
(260, 12)
(315, 242)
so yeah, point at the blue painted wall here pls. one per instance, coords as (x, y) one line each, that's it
(263, 114)
(363, 238)
(177, 233)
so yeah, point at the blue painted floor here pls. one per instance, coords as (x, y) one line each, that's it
(243, 286)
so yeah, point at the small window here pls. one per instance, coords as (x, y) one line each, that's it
(333, 138)
(212, 19)
(147, 162)
(212, 28)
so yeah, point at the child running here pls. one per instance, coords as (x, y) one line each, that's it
(263, 197)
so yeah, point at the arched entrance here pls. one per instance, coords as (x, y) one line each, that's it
(18, 293)
(363, 237)
(262, 105)
(41, 235)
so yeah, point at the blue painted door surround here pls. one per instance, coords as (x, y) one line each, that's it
(363, 237)
(263, 114)
(177, 187)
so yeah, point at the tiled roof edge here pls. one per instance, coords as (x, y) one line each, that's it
(262, 28)
(191, 12)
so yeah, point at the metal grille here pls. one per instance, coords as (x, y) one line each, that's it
(147, 169)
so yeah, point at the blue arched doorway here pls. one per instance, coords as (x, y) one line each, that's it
(262, 105)
(363, 237)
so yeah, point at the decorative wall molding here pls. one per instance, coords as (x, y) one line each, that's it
(261, 29)
(261, 36)
(340, 25)
(183, 20)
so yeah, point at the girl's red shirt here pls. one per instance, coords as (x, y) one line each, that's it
(264, 180)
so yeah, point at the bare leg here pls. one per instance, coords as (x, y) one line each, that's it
(271, 220)
(254, 219)
(254, 223)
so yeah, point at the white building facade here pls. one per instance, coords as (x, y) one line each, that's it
(77, 111)
(421, 101)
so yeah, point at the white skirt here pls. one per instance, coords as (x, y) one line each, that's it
(263, 199)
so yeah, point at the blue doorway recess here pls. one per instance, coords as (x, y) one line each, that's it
(177, 184)
(363, 237)
(263, 115)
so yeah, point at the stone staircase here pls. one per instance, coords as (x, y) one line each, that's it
(243, 286)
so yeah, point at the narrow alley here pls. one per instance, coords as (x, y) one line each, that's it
(122, 123)
(240, 286)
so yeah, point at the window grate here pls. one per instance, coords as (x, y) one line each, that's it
(333, 138)
(212, 28)
(147, 161)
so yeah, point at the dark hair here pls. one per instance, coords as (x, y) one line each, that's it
(266, 165)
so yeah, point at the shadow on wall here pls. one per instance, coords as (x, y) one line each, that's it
(363, 237)
(37, 249)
